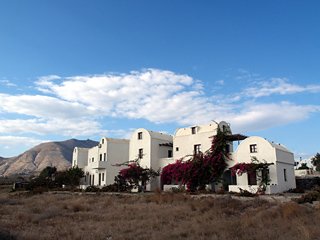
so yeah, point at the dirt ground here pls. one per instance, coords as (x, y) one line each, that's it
(154, 216)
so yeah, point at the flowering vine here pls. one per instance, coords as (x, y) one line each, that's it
(201, 168)
(255, 166)
(137, 176)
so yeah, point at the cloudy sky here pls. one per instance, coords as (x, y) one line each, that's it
(86, 69)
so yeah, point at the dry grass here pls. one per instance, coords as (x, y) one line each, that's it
(152, 216)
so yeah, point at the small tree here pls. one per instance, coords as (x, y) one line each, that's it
(48, 172)
(45, 178)
(303, 166)
(316, 161)
(136, 176)
(51, 178)
(70, 177)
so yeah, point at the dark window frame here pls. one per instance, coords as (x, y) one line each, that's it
(140, 153)
(285, 175)
(253, 148)
(197, 148)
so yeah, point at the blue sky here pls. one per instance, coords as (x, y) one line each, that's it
(85, 69)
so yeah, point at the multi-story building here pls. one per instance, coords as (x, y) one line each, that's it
(100, 163)
(156, 150)
(190, 140)
(152, 150)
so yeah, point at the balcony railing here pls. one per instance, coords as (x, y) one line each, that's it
(98, 164)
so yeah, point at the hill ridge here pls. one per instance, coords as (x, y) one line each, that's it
(32, 161)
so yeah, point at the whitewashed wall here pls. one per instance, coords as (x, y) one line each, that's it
(271, 153)
(184, 140)
(153, 153)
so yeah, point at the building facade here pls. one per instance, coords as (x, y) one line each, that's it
(281, 172)
(156, 150)
(195, 139)
(152, 150)
(100, 163)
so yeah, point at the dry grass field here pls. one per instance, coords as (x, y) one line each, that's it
(152, 216)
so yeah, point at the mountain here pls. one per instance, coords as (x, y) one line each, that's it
(57, 154)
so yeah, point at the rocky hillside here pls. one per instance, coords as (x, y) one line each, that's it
(58, 154)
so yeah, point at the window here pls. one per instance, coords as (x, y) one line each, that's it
(104, 157)
(102, 177)
(197, 148)
(252, 178)
(253, 148)
(169, 153)
(177, 149)
(100, 157)
(102, 141)
(285, 174)
(139, 135)
(227, 148)
(140, 153)
(193, 130)
(93, 159)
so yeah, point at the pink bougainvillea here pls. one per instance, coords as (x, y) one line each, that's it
(135, 175)
(202, 168)
(241, 168)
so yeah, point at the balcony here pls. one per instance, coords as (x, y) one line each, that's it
(98, 165)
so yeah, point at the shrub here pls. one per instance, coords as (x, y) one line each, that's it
(110, 188)
(296, 190)
(308, 197)
(92, 189)
(245, 193)
(180, 189)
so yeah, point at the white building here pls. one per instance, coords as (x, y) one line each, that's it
(98, 163)
(153, 149)
(281, 173)
(195, 139)
(156, 150)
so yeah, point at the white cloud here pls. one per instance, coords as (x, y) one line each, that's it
(42, 106)
(155, 95)
(220, 82)
(10, 141)
(78, 104)
(7, 83)
(278, 86)
(255, 116)
(64, 127)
